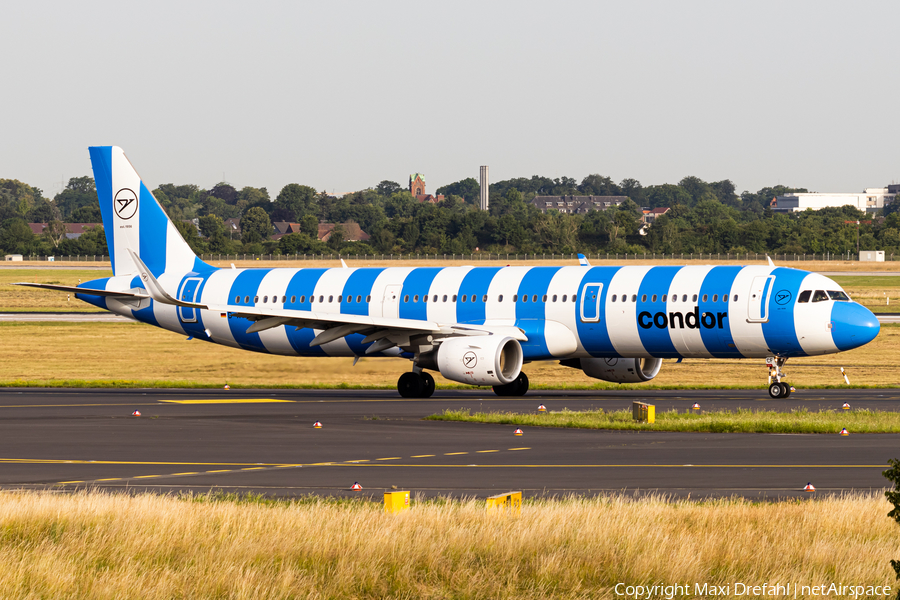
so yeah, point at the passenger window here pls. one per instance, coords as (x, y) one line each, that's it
(255, 299)
(839, 296)
(445, 297)
(484, 298)
(321, 298)
(653, 298)
(664, 297)
(416, 298)
(634, 297)
(425, 298)
(534, 298)
(524, 297)
(359, 299)
(340, 298)
(500, 298)
(463, 299)
(237, 299)
(302, 299)
(350, 299)
(406, 298)
(684, 298)
(643, 297)
(715, 297)
(705, 297)
(454, 298)
(434, 298)
(735, 298)
(331, 298)
(246, 299)
(564, 298)
(312, 299)
(695, 298)
(283, 299)
(265, 299)
(515, 297)
(803, 298)
(819, 296)
(614, 298)
(368, 298)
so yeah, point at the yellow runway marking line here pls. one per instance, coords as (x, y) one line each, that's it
(454, 453)
(485, 451)
(518, 448)
(221, 471)
(390, 458)
(110, 479)
(229, 401)
(145, 476)
(362, 460)
(422, 456)
(53, 461)
(630, 466)
(174, 474)
(64, 482)
(252, 468)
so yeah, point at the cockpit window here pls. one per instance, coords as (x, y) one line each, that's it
(804, 296)
(839, 296)
(819, 296)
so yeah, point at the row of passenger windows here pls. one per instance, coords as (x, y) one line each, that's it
(674, 298)
(415, 298)
(820, 296)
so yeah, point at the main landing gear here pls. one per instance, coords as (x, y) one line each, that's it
(777, 387)
(517, 387)
(416, 385)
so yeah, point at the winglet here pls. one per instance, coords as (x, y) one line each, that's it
(343, 264)
(156, 291)
(583, 261)
(771, 264)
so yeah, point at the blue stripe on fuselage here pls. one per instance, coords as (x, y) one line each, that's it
(144, 315)
(246, 284)
(531, 315)
(302, 287)
(418, 283)
(656, 340)
(96, 284)
(594, 336)
(718, 282)
(359, 286)
(474, 287)
(779, 331)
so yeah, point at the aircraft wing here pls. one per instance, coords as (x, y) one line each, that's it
(81, 290)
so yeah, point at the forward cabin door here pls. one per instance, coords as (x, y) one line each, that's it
(758, 302)
(590, 302)
(390, 304)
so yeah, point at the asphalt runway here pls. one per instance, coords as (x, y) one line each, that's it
(263, 441)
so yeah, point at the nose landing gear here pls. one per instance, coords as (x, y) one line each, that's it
(777, 387)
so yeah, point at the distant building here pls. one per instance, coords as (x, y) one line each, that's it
(417, 189)
(651, 214)
(352, 232)
(13, 257)
(870, 200)
(233, 225)
(73, 230)
(576, 204)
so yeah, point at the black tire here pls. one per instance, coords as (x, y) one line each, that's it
(427, 385)
(775, 390)
(502, 390)
(520, 385)
(785, 389)
(410, 385)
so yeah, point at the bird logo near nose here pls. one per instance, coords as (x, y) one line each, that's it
(782, 297)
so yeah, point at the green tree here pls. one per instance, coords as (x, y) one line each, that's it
(213, 229)
(468, 189)
(598, 185)
(17, 199)
(388, 188)
(80, 191)
(294, 201)
(16, 236)
(86, 214)
(255, 226)
(336, 240)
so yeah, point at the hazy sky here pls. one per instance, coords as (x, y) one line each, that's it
(341, 95)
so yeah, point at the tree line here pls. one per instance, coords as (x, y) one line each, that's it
(707, 217)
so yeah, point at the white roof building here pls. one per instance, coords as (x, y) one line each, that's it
(870, 200)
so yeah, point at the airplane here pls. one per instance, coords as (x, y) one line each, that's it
(473, 325)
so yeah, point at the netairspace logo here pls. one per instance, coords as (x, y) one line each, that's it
(737, 589)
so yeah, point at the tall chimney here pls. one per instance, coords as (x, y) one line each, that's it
(485, 185)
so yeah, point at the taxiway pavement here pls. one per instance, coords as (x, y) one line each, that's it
(262, 441)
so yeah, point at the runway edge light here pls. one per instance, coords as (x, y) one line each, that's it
(317, 425)
(136, 413)
(846, 406)
(356, 487)
(542, 408)
(395, 502)
(227, 387)
(696, 406)
(844, 431)
(518, 432)
(809, 488)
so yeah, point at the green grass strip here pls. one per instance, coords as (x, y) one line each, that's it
(741, 420)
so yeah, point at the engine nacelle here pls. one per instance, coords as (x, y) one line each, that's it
(621, 370)
(480, 359)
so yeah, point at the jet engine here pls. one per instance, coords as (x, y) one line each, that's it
(480, 359)
(621, 370)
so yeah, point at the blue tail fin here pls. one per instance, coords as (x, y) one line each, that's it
(133, 219)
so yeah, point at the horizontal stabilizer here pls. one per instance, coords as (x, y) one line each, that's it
(157, 292)
(80, 290)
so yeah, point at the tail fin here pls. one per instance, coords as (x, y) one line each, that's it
(134, 220)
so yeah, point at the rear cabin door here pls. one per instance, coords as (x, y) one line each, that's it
(758, 300)
(590, 302)
(188, 294)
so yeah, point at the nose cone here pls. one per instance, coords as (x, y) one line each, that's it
(853, 325)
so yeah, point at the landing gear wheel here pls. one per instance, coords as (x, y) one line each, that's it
(427, 385)
(410, 385)
(517, 387)
(774, 390)
(785, 390)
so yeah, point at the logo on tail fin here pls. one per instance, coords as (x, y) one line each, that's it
(125, 203)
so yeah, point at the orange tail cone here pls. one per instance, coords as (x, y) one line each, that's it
(809, 488)
(518, 432)
(356, 487)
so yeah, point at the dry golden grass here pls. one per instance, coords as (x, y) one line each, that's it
(48, 352)
(94, 545)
